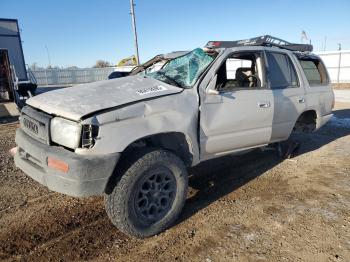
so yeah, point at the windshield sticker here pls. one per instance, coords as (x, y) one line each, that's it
(150, 90)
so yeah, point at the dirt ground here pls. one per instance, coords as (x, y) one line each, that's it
(341, 86)
(254, 207)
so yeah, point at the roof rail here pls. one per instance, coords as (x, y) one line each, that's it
(265, 40)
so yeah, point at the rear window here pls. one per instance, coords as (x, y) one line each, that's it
(315, 71)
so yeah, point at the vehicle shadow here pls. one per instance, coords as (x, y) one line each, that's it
(8, 119)
(216, 178)
(337, 127)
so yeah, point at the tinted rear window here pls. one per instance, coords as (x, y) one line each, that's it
(315, 71)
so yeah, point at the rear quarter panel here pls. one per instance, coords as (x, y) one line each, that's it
(319, 98)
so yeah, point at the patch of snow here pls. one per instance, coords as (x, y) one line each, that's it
(342, 95)
(340, 122)
(250, 236)
(327, 214)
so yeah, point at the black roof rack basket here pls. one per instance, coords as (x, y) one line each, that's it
(265, 40)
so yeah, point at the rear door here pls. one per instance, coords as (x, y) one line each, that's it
(288, 93)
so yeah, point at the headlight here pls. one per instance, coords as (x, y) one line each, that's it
(65, 132)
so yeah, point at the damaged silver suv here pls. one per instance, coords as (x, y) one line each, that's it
(131, 139)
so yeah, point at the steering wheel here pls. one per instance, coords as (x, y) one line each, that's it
(256, 80)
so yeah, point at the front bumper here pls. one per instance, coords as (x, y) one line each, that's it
(86, 175)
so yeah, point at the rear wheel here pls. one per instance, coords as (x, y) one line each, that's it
(150, 194)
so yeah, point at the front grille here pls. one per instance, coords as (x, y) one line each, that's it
(36, 124)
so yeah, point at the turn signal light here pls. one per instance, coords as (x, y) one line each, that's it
(57, 164)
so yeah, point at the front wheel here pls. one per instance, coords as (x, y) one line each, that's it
(150, 195)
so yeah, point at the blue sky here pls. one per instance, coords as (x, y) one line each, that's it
(79, 32)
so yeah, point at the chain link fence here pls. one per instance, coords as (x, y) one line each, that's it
(71, 76)
(338, 65)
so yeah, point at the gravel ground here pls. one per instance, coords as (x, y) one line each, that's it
(249, 208)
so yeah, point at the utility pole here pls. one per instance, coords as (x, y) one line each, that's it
(134, 28)
(339, 63)
(48, 56)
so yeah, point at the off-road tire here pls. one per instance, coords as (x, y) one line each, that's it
(121, 206)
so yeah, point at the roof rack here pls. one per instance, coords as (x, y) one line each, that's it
(265, 40)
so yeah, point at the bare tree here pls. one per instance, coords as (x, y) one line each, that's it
(101, 64)
(33, 66)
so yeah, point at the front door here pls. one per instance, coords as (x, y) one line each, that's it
(237, 114)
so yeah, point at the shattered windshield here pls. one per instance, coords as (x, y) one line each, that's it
(184, 70)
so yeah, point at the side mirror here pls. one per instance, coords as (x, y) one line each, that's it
(211, 86)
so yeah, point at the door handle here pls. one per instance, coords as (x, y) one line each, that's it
(264, 104)
(301, 100)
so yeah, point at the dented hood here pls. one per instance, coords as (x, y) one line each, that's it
(77, 101)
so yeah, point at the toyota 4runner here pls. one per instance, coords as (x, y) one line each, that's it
(131, 139)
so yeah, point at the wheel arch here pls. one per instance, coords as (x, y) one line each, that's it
(307, 121)
(176, 142)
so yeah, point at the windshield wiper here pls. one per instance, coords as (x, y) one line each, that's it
(171, 80)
